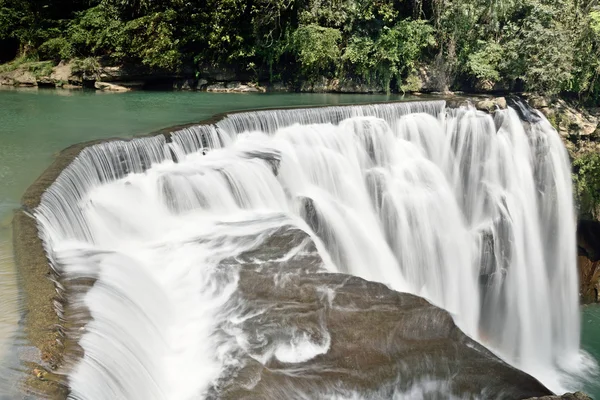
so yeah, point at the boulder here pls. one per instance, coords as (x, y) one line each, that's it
(538, 102)
(62, 73)
(202, 84)
(492, 104)
(6, 80)
(18, 77)
(110, 87)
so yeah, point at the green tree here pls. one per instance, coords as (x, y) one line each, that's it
(316, 49)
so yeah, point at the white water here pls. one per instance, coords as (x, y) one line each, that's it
(471, 212)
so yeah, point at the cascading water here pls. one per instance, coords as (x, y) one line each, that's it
(471, 211)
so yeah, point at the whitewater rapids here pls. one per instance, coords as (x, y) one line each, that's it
(471, 211)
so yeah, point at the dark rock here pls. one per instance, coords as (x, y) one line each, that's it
(525, 111)
(221, 74)
(366, 338)
(568, 396)
(588, 239)
(278, 87)
(201, 85)
(184, 84)
(588, 246)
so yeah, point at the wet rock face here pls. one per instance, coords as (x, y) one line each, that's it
(310, 334)
(589, 278)
(588, 247)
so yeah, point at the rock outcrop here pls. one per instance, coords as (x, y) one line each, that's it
(491, 104)
(579, 127)
(588, 246)
(234, 87)
(19, 78)
(363, 338)
(580, 131)
(567, 120)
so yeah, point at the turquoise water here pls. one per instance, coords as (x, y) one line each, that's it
(36, 124)
(590, 338)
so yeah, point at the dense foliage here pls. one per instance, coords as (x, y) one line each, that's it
(586, 178)
(547, 46)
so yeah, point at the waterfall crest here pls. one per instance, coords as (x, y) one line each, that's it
(471, 211)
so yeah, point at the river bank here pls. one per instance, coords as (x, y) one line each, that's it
(93, 74)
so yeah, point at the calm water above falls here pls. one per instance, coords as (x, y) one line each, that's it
(35, 125)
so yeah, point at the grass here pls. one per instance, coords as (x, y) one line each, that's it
(41, 68)
(30, 63)
(18, 62)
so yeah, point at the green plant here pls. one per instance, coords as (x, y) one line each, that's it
(411, 84)
(484, 63)
(586, 177)
(56, 49)
(19, 62)
(41, 69)
(153, 40)
(86, 67)
(317, 49)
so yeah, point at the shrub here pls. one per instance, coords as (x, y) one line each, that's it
(56, 49)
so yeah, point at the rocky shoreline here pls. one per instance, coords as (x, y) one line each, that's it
(92, 74)
(43, 325)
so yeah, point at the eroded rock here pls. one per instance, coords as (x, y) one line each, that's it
(319, 335)
(491, 105)
(568, 120)
(110, 87)
(234, 87)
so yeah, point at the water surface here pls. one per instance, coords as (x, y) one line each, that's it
(590, 338)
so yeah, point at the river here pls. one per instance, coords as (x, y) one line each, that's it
(36, 124)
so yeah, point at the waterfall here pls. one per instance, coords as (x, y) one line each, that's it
(469, 210)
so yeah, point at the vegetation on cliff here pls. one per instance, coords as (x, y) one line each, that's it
(586, 178)
(546, 46)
